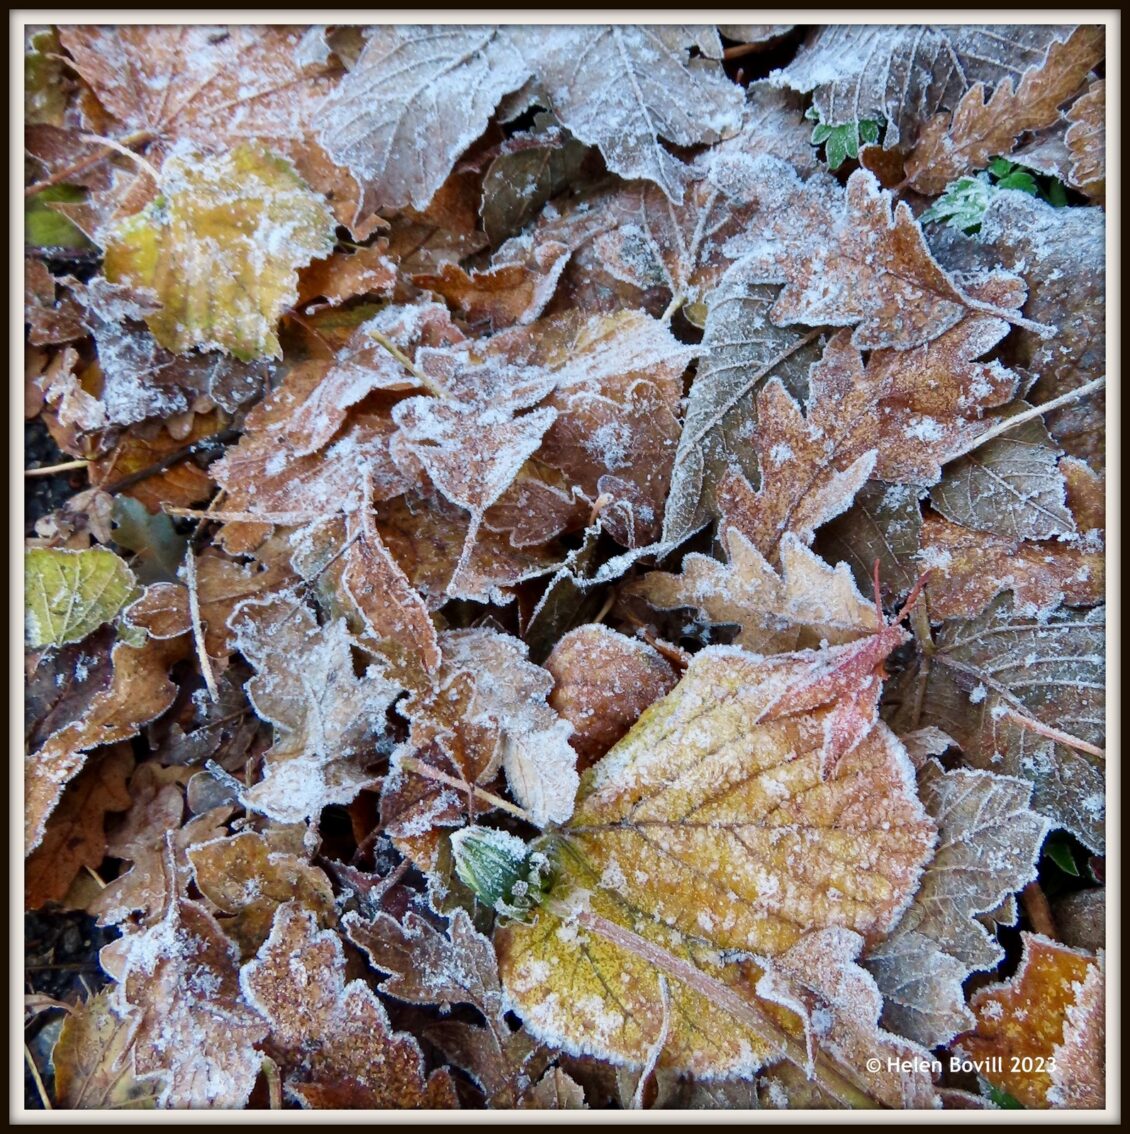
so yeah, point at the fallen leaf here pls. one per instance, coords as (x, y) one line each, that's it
(1079, 1076)
(297, 984)
(1086, 140)
(555, 1090)
(68, 594)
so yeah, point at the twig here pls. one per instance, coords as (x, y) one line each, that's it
(38, 1079)
(197, 627)
(51, 470)
(286, 519)
(1003, 426)
(1064, 738)
(171, 459)
(677, 301)
(656, 1049)
(137, 138)
(411, 764)
(1038, 909)
(430, 384)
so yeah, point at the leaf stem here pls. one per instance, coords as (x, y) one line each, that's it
(51, 470)
(430, 384)
(197, 626)
(137, 138)
(411, 764)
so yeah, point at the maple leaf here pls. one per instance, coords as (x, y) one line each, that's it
(691, 832)
(1086, 140)
(68, 594)
(847, 259)
(297, 983)
(327, 719)
(1048, 1003)
(1020, 695)
(206, 1051)
(807, 604)
(906, 74)
(246, 210)
(949, 146)
(988, 848)
(602, 682)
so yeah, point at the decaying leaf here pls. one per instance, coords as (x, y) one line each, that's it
(70, 593)
(1051, 1008)
(297, 983)
(247, 210)
(1086, 140)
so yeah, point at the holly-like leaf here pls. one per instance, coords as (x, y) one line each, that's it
(1024, 1022)
(988, 849)
(807, 604)
(220, 248)
(715, 829)
(950, 146)
(68, 594)
(297, 983)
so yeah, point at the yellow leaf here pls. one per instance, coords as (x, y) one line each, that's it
(221, 247)
(715, 831)
(70, 593)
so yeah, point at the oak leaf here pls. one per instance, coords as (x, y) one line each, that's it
(247, 211)
(700, 832)
(297, 983)
(1086, 141)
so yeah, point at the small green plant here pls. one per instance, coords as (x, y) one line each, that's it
(964, 203)
(843, 141)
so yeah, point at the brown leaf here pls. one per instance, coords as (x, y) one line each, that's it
(181, 985)
(1079, 1079)
(345, 275)
(140, 691)
(847, 259)
(1086, 139)
(333, 1039)
(968, 569)
(75, 835)
(555, 1090)
(807, 604)
(1031, 1016)
(950, 146)
(602, 682)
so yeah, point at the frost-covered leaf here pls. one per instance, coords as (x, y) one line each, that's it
(852, 257)
(327, 719)
(1032, 1017)
(624, 88)
(988, 849)
(413, 102)
(711, 831)
(968, 569)
(220, 248)
(297, 983)
(602, 682)
(1079, 1077)
(949, 146)
(906, 74)
(1086, 140)
(181, 985)
(555, 1090)
(807, 604)
(1010, 486)
(68, 594)
(1000, 678)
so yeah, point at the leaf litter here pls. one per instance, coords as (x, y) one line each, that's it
(559, 613)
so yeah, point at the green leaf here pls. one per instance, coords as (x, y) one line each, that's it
(1058, 849)
(1001, 1098)
(67, 594)
(963, 204)
(45, 228)
(843, 142)
(158, 547)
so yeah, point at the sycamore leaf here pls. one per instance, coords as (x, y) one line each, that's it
(92, 1061)
(978, 129)
(68, 594)
(602, 682)
(968, 569)
(327, 719)
(1010, 487)
(139, 691)
(220, 249)
(716, 829)
(297, 983)
(807, 604)
(997, 680)
(906, 74)
(1086, 139)
(988, 848)
(1045, 1006)
(624, 88)
(205, 1047)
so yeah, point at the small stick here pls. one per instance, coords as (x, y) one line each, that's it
(197, 627)
(430, 384)
(677, 301)
(51, 470)
(1038, 909)
(38, 1079)
(1064, 738)
(411, 764)
(285, 519)
(170, 459)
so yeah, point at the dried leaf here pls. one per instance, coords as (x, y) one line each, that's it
(1086, 140)
(906, 74)
(555, 1090)
(246, 211)
(1079, 1080)
(739, 745)
(978, 130)
(68, 594)
(1031, 1017)
(297, 983)
(808, 604)
(345, 275)
(988, 849)
(602, 682)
